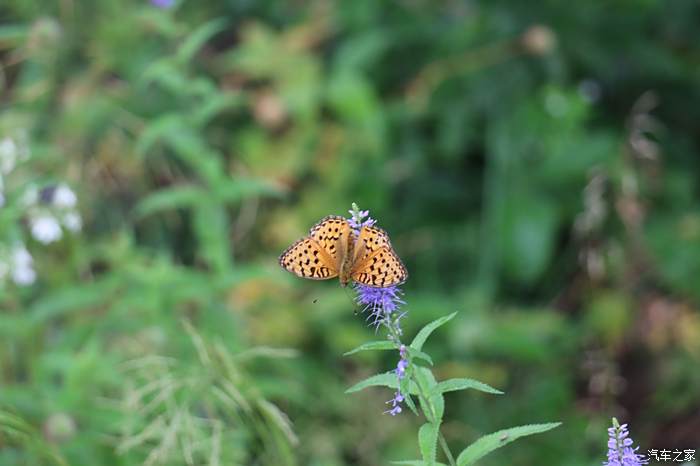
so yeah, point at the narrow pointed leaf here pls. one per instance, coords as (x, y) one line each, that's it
(387, 379)
(425, 332)
(491, 442)
(452, 385)
(170, 199)
(417, 354)
(415, 463)
(198, 38)
(435, 406)
(372, 345)
(411, 405)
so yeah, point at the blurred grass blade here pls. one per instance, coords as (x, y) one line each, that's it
(171, 198)
(198, 38)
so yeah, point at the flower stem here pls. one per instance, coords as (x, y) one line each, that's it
(433, 419)
(446, 449)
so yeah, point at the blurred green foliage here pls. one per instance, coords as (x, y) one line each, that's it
(535, 164)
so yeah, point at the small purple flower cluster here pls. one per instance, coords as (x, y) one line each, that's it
(382, 306)
(360, 218)
(620, 449)
(400, 373)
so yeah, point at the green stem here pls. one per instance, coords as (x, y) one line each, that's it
(433, 419)
(431, 416)
(446, 449)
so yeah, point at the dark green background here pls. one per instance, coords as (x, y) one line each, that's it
(535, 163)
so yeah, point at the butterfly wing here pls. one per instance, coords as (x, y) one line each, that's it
(318, 256)
(375, 262)
(381, 269)
(332, 234)
(370, 240)
(307, 259)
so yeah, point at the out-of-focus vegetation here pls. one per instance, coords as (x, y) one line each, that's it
(536, 165)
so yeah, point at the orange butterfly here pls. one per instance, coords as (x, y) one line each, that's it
(332, 250)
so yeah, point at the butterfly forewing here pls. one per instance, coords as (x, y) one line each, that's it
(332, 234)
(307, 259)
(381, 269)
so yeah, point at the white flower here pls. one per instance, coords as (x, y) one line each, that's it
(8, 155)
(24, 276)
(22, 267)
(46, 229)
(64, 197)
(72, 221)
(21, 257)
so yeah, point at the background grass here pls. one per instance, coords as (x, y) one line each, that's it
(536, 166)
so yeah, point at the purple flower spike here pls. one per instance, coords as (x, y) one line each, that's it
(359, 219)
(403, 363)
(395, 404)
(380, 303)
(382, 306)
(163, 4)
(620, 448)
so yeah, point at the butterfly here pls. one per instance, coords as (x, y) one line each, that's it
(333, 249)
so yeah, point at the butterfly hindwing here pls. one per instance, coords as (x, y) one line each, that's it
(382, 268)
(307, 259)
(370, 240)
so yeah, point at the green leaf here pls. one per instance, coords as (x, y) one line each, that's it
(212, 107)
(373, 345)
(416, 463)
(211, 228)
(491, 442)
(425, 332)
(198, 38)
(410, 403)
(157, 130)
(238, 189)
(417, 354)
(79, 298)
(452, 385)
(171, 198)
(387, 345)
(387, 379)
(435, 407)
(427, 442)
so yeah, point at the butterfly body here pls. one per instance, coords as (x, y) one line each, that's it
(332, 249)
(345, 272)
